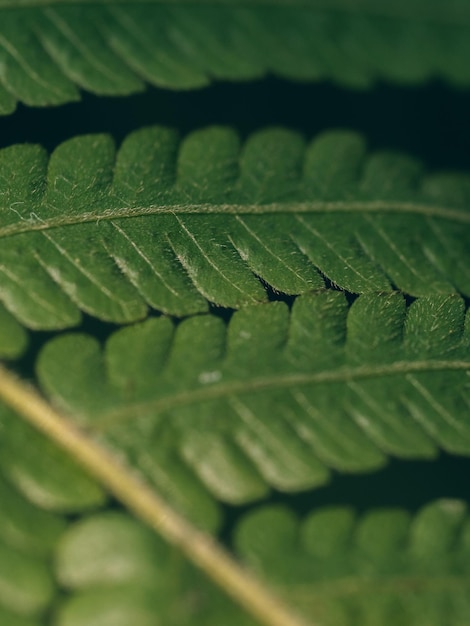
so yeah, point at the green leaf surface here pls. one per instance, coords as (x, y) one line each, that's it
(118, 572)
(384, 567)
(28, 536)
(104, 568)
(13, 337)
(276, 399)
(100, 568)
(174, 224)
(204, 412)
(49, 49)
(257, 315)
(44, 473)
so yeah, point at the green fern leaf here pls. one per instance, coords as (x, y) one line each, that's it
(385, 567)
(175, 225)
(46, 475)
(102, 567)
(91, 567)
(13, 337)
(204, 412)
(28, 536)
(85, 569)
(274, 400)
(116, 571)
(49, 49)
(196, 412)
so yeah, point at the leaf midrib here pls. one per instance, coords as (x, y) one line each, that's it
(357, 585)
(35, 223)
(263, 383)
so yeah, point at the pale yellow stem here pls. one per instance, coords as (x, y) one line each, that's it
(142, 500)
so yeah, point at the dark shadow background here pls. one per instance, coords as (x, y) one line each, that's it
(401, 484)
(431, 122)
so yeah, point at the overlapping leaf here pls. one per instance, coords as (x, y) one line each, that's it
(385, 567)
(208, 411)
(175, 225)
(13, 337)
(340, 569)
(277, 399)
(50, 49)
(95, 567)
(118, 572)
(31, 522)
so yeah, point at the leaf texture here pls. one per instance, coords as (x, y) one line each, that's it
(176, 224)
(51, 49)
(32, 519)
(132, 589)
(116, 571)
(384, 567)
(277, 399)
(103, 566)
(78, 566)
(13, 337)
(45, 474)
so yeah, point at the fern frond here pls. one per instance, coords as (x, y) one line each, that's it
(91, 567)
(24, 403)
(385, 567)
(44, 473)
(13, 337)
(115, 570)
(50, 49)
(28, 536)
(277, 399)
(174, 225)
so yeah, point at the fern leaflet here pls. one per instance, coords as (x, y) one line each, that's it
(51, 48)
(173, 226)
(277, 399)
